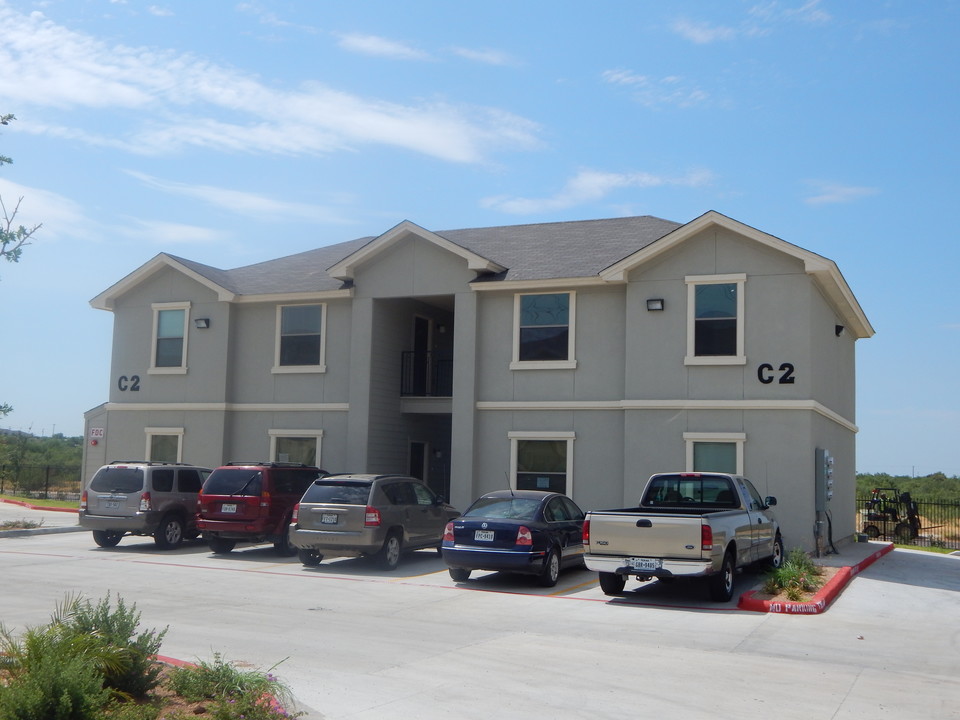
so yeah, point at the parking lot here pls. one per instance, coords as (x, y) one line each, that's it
(353, 641)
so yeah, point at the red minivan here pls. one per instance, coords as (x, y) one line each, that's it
(252, 502)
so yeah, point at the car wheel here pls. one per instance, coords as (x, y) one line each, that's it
(721, 584)
(310, 558)
(282, 546)
(459, 574)
(551, 569)
(612, 584)
(872, 531)
(775, 561)
(107, 538)
(169, 533)
(389, 556)
(219, 545)
(903, 533)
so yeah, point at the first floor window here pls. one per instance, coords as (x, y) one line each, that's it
(296, 446)
(300, 336)
(164, 444)
(542, 461)
(544, 328)
(715, 452)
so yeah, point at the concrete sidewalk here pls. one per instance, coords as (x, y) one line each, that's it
(48, 520)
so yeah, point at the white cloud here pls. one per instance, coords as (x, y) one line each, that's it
(380, 47)
(60, 217)
(241, 203)
(160, 11)
(830, 193)
(655, 92)
(702, 33)
(163, 233)
(487, 56)
(592, 185)
(178, 101)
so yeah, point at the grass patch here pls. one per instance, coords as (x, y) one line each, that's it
(20, 524)
(798, 577)
(40, 502)
(926, 548)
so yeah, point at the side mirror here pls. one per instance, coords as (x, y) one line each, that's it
(770, 500)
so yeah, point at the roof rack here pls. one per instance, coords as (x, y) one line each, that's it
(147, 462)
(272, 464)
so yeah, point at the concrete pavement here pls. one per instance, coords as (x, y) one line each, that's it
(49, 520)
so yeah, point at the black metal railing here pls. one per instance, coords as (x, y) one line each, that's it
(426, 374)
(910, 522)
(47, 482)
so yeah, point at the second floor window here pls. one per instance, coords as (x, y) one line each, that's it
(715, 320)
(544, 328)
(169, 338)
(301, 336)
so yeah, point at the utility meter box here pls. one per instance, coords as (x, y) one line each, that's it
(824, 479)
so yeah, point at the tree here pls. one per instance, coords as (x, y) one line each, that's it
(13, 238)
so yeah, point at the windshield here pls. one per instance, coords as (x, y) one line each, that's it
(118, 479)
(233, 481)
(505, 508)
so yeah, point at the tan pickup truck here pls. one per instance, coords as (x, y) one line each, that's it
(687, 525)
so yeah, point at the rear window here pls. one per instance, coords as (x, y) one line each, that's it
(504, 508)
(234, 481)
(340, 493)
(119, 479)
(286, 481)
(690, 490)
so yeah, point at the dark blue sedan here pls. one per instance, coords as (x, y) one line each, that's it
(520, 531)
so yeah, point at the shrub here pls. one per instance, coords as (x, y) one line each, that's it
(796, 576)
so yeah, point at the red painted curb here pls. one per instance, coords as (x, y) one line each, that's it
(38, 507)
(826, 595)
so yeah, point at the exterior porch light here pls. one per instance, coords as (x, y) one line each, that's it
(201, 323)
(654, 304)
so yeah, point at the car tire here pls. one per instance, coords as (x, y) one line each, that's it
(282, 546)
(107, 538)
(872, 532)
(612, 584)
(459, 574)
(721, 584)
(551, 569)
(169, 533)
(903, 534)
(389, 555)
(775, 561)
(220, 545)
(310, 558)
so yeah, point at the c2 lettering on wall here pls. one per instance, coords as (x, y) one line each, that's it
(766, 374)
(131, 383)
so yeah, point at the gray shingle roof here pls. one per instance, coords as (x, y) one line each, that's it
(529, 252)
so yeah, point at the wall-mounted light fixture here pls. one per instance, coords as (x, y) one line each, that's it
(654, 304)
(442, 329)
(201, 323)
(838, 330)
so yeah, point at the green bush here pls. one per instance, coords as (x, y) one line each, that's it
(797, 575)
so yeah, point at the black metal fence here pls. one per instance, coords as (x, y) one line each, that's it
(426, 374)
(46, 482)
(910, 522)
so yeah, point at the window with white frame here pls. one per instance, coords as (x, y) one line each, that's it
(170, 337)
(715, 331)
(544, 330)
(301, 338)
(542, 461)
(715, 452)
(296, 446)
(164, 444)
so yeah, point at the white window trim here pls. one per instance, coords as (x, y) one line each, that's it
(315, 434)
(571, 362)
(692, 282)
(182, 368)
(690, 438)
(517, 435)
(321, 367)
(152, 431)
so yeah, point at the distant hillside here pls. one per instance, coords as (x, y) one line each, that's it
(929, 488)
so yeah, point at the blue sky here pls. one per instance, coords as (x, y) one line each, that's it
(235, 132)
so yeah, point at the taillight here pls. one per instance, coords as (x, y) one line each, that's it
(265, 499)
(83, 500)
(296, 513)
(448, 532)
(586, 532)
(371, 517)
(706, 537)
(145, 504)
(524, 536)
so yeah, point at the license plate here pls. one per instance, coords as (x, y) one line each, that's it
(112, 504)
(645, 563)
(329, 518)
(483, 535)
(228, 508)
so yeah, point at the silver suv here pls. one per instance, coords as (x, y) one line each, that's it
(142, 498)
(373, 515)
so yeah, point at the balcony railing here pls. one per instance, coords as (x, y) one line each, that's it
(426, 374)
